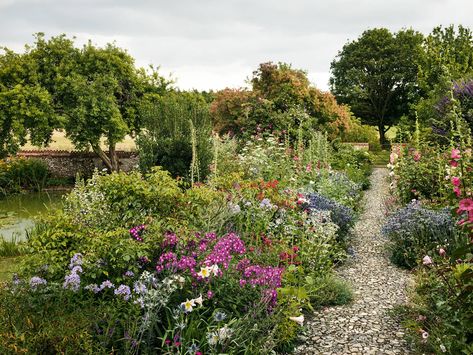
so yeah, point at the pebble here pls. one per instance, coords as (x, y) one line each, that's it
(364, 326)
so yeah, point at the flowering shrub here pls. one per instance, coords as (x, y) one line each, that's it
(337, 186)
(341, 215)
(415, 230)
(220, 267)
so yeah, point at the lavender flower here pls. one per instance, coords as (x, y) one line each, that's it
(36, 281)
(124, 291)
(129, 273)
(72, 282)
(106, 284)
(92, 287)
(76, 260)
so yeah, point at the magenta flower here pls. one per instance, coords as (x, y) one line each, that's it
(466, 205)
(455, 154)
(457, 191)
(456, 181)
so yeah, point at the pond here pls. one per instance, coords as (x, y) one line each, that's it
(17, 212)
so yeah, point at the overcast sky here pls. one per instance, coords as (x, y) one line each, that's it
(213, 44)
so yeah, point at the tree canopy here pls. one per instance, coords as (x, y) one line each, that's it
(377, 76)
(91, 92)
(281, 99)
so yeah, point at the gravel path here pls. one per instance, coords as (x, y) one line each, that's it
(364, 327)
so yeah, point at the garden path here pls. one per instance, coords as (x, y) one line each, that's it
(364, 326)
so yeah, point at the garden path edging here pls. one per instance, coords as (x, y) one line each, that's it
(364, 326)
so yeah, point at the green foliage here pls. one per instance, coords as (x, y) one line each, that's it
(332, 291)
(377, 76)
(356, 164)
(420, 175)
(170, 122)
(281, 100)
(93, 93)
(18, 174)
(12, 247)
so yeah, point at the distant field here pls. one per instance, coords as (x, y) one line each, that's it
(60, 142)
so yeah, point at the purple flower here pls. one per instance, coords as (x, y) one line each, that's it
(72, 282)
(222, 251)
(106, 284)
(137, 231)
(266, 203)
(129, 273)
(124, 291)
(36, 281)
(76, 260)
(92, 287)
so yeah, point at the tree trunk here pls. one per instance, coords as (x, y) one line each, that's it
(113, 158)
(382, 137)
(106, 160)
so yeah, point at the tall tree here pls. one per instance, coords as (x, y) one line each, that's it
(25, 106)
(94, 93)
(377, 76)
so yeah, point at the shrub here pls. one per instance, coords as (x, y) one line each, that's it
(414, 231)
(341, 215)
(18, 174)
(176, 135)
(420, 175)
(337, 186)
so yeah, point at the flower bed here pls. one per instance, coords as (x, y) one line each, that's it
(139, 264)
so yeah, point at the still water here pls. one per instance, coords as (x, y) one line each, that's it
(17, 212)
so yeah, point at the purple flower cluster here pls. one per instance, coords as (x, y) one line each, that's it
(103, 285)
(169, 261)
(36, 281)
(222, 251)
(72, 281)
(124, 291)
(170, 240)
(268, 276)
(137, 231)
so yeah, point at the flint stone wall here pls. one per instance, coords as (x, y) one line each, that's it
(66, 164)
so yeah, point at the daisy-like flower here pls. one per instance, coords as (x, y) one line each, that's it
(188, 305)
(425, 335)
(299, 320)
(204, 272)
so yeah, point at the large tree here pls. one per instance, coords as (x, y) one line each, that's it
(377, 76)
(94, 93)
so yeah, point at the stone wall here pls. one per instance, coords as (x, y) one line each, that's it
(63, 163)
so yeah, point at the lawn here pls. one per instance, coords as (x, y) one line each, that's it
(61, 142)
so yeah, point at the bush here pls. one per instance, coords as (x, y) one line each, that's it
(420, 175)
(176, 135)
(337, 186)
(18, 174)
(414, 231)
(341, 215)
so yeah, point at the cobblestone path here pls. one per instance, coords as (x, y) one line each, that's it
(365, 326)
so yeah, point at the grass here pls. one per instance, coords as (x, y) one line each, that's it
(380, 158)
(61, 142)
(8, 266)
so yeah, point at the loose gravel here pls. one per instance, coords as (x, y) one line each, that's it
(366, 325)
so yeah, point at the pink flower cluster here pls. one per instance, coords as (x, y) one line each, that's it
(136, 232)
(466, 206)
(268, 277)
(169, 261)
(222, 251)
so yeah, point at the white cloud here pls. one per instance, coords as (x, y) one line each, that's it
(212, 44)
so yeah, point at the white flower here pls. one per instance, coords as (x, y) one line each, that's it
(391, 173)
(199, 300)
(427, 260)
(443, 348)
(214, 269)
(425, 335)
(299, 320)
(204, 272)
(212, 338)
(188, 305)
(224, 333)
